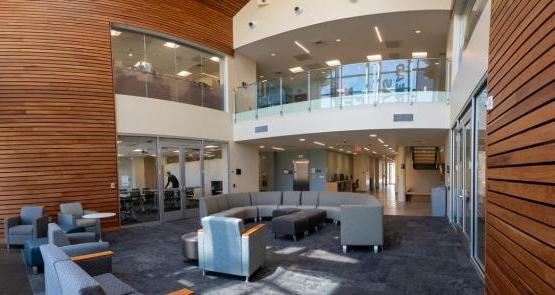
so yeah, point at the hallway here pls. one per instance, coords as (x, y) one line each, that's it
(418, 206)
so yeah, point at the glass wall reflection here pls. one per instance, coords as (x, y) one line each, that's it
(151, 66)
(138, 188)
(481, 122)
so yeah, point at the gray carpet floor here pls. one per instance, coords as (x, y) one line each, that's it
(422, 255)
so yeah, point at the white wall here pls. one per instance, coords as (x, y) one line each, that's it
(244, 157)
(147, 116)
(279, 16)
(240, 69)
(426, 116)
(473, 65)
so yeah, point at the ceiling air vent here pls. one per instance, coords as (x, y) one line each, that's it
(393, 44)
(314, 66)
(302, 57)
(260, 129)
(403, 117)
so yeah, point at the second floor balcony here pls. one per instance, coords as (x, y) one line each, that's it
(406, 81)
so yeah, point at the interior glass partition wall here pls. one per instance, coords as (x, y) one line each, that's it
(156, 67)
(164, 178)
(469, 178)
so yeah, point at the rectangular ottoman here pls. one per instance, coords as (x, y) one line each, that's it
(290, 225)
(315, 217)
(31, 252)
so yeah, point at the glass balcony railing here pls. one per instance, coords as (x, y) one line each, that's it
(372, 83)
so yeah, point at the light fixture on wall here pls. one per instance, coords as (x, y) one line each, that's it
(333, 63)
(296, 70)
(302, 47)
(183, 73)
(171, 45)
(419, 54)
(378, 34)
(374, 57)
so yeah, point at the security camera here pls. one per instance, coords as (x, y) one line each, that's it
(252, 24)
(298, 9)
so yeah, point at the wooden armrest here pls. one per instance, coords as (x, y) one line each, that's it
(183, 291)
(253, 229)
(92, 256)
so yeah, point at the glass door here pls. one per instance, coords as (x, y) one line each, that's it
(467, 174)
(458, 204)
(180, 173)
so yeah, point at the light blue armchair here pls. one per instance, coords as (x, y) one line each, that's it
(29, 225)
(78, 244)
(225, 246)
(71, 216)
(63, 276)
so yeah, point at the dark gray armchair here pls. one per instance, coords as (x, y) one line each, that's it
(71, 216)
(31, 224)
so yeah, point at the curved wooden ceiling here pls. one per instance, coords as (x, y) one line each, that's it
(227, 7)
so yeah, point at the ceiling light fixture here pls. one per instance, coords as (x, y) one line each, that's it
(319, 143)
(115, 33)
(176, 151)
(420, 54)
(386, 145)
(215, 59)
(333, 63)
(354, 153)
(261, 76)
(374, 57)
(418, 31)
(378, 33)
(338, 40)
(341, 149)
(380, 140)
(261, 146)
(366, 149)
(171, 45)
(374, 152)
(137, 150)
(273, 54)
(184, 73)
(373, 135)
(277, 148)
(119, 141)
(211, 146)
(301, 46)
(302, 139)
(212, 76)
(296, 70)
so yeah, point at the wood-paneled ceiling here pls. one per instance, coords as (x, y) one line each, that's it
(227, 7)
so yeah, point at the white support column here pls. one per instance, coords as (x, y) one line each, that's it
(401, 170)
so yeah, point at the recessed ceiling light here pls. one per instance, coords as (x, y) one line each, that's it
(374, 57)
(302, 47)
(292, 78)
(391, 148)
(115, 33)
(176, 151)
(374, 152)
(277, 148)
(341, 149)
(264, 81)
(378, 34)
(215, 59)
(331, 147)
(261, 146)
(261, 76)
(366, 149)
(171, 45)
(120, 155)
(419, 54)
(333, 63)
(380, 140)
(153, 155)
(130, 54)
(373, 135)
(137, 150)
(338, 40)
(296, 70)
(184, 73)
(302, 139)
(354, 153)
(273, 54)
(211, 146)
(436, 63)
(386, 145)
(319, 143)
(418, 31)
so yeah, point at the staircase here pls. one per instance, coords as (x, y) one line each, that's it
(425, 158)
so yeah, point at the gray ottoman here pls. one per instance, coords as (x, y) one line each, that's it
(290, 225)
(190, 246)
(315, 217)
(284, 211)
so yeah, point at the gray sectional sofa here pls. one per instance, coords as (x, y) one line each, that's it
(360, 215)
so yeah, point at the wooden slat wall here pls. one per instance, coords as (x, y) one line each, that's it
(520, 220)
(57, 126)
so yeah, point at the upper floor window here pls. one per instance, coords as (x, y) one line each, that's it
(151, 66)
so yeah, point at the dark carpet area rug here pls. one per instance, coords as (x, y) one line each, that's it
(422, 255)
